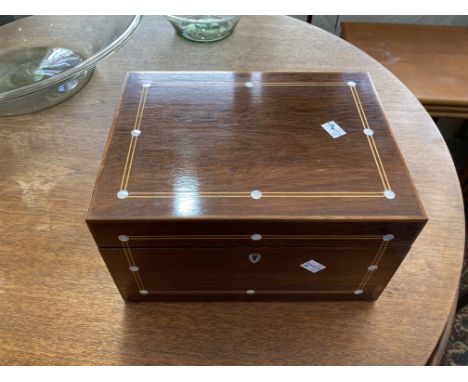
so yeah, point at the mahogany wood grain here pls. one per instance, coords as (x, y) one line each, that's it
(196, 232)
(205, 141)
(59, 303)
(189, 149)
(227, 273)
(430, 59)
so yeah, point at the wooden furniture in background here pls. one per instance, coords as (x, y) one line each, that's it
(59, 304)
(431, 60)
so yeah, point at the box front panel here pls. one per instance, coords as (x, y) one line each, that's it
(252, 273)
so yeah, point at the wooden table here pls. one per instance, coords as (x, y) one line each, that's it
(58, 302)
(430, 59)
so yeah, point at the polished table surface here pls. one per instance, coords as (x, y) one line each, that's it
(58, 302)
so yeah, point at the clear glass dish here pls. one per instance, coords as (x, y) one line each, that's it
(201, 28)
(46, 59)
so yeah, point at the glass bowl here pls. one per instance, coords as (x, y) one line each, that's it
(203, 28)
(46, 59)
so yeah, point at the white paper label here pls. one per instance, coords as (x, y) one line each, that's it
(313, 266)
(333, 129)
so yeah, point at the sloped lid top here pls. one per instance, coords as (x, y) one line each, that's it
(223, 145)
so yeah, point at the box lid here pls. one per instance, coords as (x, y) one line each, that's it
(246, 146)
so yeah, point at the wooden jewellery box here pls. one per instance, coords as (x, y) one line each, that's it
(252, 186)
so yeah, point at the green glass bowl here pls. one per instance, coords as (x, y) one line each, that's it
(203, 28)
